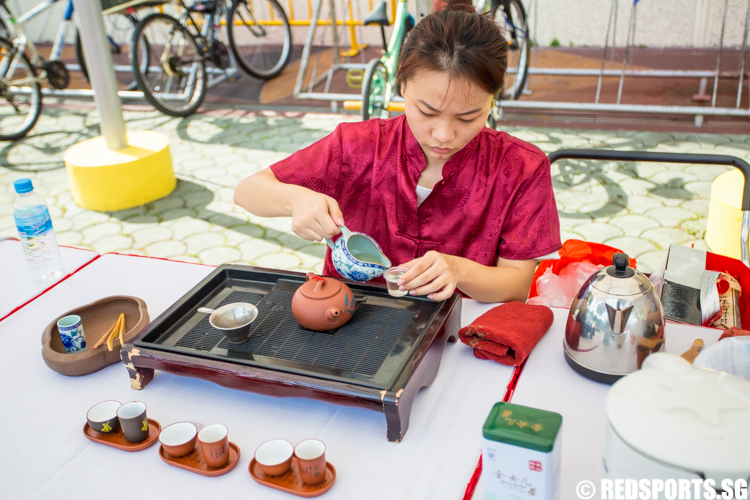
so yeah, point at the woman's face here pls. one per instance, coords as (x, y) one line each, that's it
(444, 115)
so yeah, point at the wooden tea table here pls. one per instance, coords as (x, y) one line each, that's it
(16, 286)
(44, 453)
(547, 382)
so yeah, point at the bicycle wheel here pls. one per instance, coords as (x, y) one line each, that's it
(373, 91)
(510, 16)
(176, 83)
(20, 93)
(260, 37)
(119, 30)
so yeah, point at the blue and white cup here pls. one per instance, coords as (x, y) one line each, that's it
(71, 333)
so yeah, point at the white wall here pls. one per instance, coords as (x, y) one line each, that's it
(659, 23)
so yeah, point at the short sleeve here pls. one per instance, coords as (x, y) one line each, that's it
(317, 167)
(532, 228)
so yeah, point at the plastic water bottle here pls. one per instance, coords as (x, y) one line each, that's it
(36, 234)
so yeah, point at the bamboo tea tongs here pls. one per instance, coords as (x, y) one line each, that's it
(114, 331)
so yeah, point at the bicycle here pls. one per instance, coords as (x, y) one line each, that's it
(22, 74)
(176, 85)
(380, 75)
(510, 16)
(379, 79)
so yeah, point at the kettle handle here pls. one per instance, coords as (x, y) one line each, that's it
(345, 234)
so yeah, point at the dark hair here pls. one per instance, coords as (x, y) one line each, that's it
(460, 42)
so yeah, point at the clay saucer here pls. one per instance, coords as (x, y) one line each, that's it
(117, 440)
(194, 462)
(96, 318)
(290, 481)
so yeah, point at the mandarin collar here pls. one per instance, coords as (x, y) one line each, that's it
(416, 161)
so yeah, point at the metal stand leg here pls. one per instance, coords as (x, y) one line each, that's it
(718, 59)
(631, 30)
(742, 56)
(306, 50)
(612, 14)
(701, 96)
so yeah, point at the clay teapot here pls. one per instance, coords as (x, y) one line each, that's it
(323, 304)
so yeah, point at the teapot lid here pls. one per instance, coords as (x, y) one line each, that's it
(621, 279)
(320, 288)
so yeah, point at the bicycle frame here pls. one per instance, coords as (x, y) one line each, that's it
(391, 55)
(210, 24)
(20, 39)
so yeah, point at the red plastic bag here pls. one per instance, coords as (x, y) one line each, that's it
(578, 251)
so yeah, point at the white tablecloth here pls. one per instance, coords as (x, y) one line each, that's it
(45, 455)
(548, 383)
(16, 285)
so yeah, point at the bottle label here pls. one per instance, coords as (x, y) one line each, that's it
(34, 226)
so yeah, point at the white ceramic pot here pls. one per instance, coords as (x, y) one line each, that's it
(671, 420)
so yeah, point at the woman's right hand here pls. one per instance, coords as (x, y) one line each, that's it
(315, 216)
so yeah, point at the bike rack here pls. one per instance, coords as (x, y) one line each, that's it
(697, 111)
(424, 7)
(336, 65)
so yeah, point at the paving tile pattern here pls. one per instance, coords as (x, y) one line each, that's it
(640, 208)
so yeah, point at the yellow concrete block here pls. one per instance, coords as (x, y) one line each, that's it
(725, 214)
(107, 181)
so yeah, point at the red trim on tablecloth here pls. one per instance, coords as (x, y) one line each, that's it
(50, 288)
(469, 493)
(158, 258)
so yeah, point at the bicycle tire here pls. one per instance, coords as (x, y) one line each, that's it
(82, 57)
(518, 23)
(368, 88)
(248, 66)
(163, 104)
(35, 97)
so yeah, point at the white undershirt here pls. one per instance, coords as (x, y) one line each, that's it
(423, 193)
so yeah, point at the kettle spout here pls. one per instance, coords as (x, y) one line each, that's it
(618, 318)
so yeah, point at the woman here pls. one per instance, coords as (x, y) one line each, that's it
(460, 205)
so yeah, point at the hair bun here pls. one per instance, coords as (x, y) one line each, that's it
(458, 6)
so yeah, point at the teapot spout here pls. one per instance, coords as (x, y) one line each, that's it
(333, 313)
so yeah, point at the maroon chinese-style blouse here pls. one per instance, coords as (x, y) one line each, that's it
(495, 199)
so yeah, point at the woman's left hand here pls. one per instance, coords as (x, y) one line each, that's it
(434, 275)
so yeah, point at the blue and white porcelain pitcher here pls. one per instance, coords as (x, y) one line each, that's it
(358, 257)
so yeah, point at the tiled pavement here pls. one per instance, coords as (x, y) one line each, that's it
(640, 208)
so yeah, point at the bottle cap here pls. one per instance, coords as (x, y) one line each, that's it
(23, 186)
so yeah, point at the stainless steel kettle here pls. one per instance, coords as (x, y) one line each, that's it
(614, 323)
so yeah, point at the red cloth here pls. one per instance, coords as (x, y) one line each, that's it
(495, 199)
(507, 333)
(734, 331)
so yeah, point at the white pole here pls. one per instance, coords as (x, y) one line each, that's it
(101, 72)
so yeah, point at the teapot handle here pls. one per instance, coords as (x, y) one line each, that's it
(345, 234)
